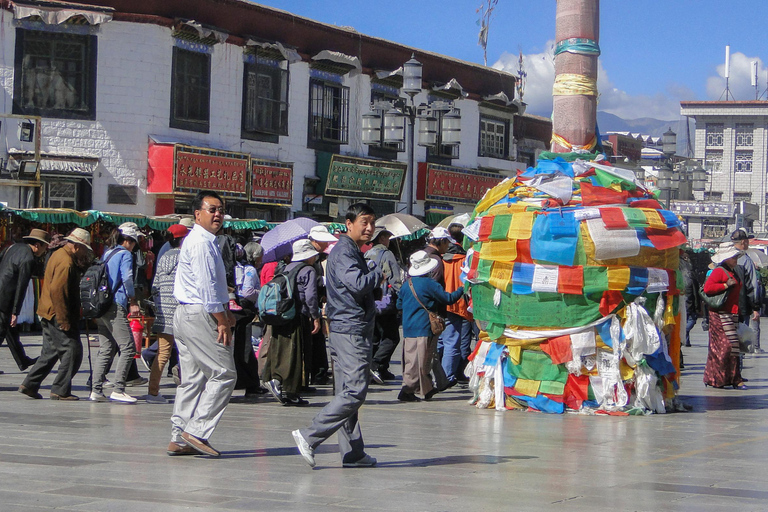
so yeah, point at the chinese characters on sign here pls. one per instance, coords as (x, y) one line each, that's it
(456, 185)
(205, 169)
(358, 177)
(271, 183)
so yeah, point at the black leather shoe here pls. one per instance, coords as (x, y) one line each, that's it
(408, 397)
(31, 394)
(430, 394)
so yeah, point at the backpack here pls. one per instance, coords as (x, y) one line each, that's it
(96, 296)
(277, 299)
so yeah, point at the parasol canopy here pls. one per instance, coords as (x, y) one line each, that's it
(400, 224)
(758, 257)
(461, 218)
(277, 242)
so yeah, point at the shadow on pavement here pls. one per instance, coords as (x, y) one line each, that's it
(455, 459)
(732, 399)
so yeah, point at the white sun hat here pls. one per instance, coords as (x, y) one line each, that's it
(303, 250)
(421, 264)
(321, 234)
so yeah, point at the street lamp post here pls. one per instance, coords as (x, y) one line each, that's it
(385, 123)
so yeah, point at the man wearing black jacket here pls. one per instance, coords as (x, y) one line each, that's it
(15, 272)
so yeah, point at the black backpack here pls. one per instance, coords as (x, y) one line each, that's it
(96, 296)
(277, 299)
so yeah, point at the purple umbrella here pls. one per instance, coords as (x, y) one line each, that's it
(277, 243)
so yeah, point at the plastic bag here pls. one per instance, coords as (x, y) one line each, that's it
(137, 330)
(746, 336)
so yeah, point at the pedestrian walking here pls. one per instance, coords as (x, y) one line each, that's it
(316, 358)
(16, 265)
(59, 311)
(165, 308)
(350, 309)
(285, 361)
(418, 297)
(386, 335)
(247, 288)
(202, 327)
(114, 330)
(722, 368)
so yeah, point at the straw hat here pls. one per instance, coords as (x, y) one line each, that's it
(321, 234)
(421, 264)
(724, 252)
(37, 235)
(303, 250)
(80, 236)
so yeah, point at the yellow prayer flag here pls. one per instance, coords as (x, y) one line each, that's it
(527, 387)
(618, 278)
(502, 250)
(654, 219)
(514, 354)
(521, 226)
(501, 274)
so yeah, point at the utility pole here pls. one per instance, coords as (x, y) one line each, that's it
(577, 32)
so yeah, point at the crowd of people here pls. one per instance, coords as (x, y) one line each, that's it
(221, 321)
(350, 293)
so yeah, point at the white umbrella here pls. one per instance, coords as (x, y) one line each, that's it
(461, 218)
(758, 257)
(400, 224)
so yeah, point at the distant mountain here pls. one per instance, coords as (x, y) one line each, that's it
(646, 126)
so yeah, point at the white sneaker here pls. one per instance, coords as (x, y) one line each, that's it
(97, 397)
(107, 384)
(156, 399)
(119, 396)
(304, 449)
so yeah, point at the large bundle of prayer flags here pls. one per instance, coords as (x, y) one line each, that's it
(572, 269)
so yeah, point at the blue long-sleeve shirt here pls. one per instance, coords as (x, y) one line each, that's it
(120, 265)
(415, 319)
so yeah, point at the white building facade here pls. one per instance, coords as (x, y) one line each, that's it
(138, 110)
(731, 141)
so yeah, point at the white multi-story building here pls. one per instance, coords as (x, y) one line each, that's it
(731, 140)
(139, 104)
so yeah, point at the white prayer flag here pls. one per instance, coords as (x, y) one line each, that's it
(545, 278)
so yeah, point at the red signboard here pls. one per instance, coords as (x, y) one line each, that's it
(454, 184)
(271, 183)
(208, 169)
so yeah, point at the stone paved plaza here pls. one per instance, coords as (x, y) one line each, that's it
(439, 455)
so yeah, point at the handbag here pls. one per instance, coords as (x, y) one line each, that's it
(714, 302)
(436, 322)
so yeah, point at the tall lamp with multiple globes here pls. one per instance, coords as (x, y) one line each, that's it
(385, 123)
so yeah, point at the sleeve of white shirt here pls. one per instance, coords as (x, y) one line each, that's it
(204, 264)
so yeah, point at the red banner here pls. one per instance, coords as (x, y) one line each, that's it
(206, 169)
(454, 184)
(271, 183)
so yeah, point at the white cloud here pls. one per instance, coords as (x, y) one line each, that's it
(740, 81)
(541, 75)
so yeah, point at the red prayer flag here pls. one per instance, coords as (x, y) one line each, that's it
(559, 349)
(472, 274)
(595, 196)
(576, 391)
(570, 280)
(613, 218)
(524, 251)
(646, 203)
(486, 225)
(610, 301)
(672, 283)
(665, 238)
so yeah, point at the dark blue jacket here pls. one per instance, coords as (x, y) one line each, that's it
(415, 319)
(349, 287)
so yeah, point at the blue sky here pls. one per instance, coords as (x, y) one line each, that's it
(655, 53)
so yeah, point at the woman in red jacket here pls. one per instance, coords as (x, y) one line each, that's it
(723, 357)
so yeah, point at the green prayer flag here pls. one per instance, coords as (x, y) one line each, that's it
(595, 279)
(500, 227)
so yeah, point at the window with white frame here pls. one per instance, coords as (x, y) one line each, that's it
(714, 159)
(744, 134)
(743, 161)
(715, 134)
(329, 112)
(60, 194)
(493, 138)
(265, 96)
(714, 228)
(55, 74)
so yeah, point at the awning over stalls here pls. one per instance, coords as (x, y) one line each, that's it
(53, 12)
